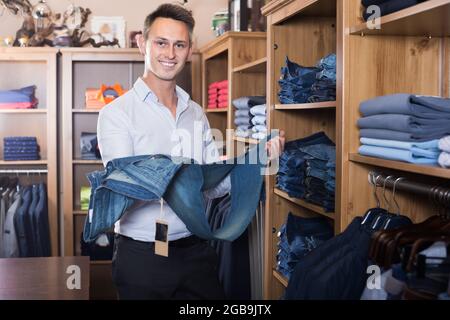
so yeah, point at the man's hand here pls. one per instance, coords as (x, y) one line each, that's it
(275, 147)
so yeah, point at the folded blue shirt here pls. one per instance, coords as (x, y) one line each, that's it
(25, 94)
(399, 135)
(405, 123)
(427, 149)
(394, 154)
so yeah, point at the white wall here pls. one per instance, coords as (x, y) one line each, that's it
(134, 12)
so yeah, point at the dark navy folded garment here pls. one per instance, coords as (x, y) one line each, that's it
(19, 158)
(21, 149)
(19, 139)
(391, 7)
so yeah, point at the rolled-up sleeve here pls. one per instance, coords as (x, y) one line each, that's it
(113, 134)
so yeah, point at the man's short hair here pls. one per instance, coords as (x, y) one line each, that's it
(171, 11)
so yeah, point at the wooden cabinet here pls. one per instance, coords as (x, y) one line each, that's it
(21, 67)
(409, 53)
(240, 58)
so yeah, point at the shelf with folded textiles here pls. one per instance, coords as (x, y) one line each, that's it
(24, 111)
(24, 163)
(429, 18)
(427, 170)
(306, 106)
(257, 66)
(315, 208)
(283, 280)
(245, 140)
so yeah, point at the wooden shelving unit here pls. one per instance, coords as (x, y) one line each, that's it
(245, 140)
(282, 279)
(238, 57)
(310, 206)
(291, 24)
(426, 19)
(34, 66)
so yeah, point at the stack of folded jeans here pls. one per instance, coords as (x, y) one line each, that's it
(23, 98)
(385, 7)
(404, 127)
(20, 148)
(243, 116)
(320, 175)
(299, 84)
(307, 170)
(298, 237)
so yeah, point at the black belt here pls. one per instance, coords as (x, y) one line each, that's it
(179, 243)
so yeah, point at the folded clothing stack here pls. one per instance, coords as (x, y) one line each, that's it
(85, 196)
(299, 84)
(308, 170)
(89, 146)
(258, 120)
(20, 148)
(444, 156)
(404, 127)
(243, 116)
(298, 237)
(385, 7)
(218, 95)
(23, 98)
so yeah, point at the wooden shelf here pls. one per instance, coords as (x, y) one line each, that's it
(85, 111)
(81, 161)
(429, 18)
(280, 278)
(24, 111)
(282, 10)
(24, 163)
(80, 212)
(245, 140)
(257, 66)
(304, 204)
(218, 110)
(427, 170)
(306, 106)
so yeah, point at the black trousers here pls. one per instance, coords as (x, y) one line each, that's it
(190, 271)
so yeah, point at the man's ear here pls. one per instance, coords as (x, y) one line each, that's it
(191, 49)
(140, 40)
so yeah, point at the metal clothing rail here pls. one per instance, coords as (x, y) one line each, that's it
(25, 171)
(438, 194)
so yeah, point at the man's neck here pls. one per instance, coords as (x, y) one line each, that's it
(165, 91)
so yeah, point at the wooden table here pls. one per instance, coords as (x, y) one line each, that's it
(44, 278)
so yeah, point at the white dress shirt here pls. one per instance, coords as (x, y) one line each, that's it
(138, 124)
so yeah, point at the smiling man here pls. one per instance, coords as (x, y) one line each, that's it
(158, 117)
(148, 120)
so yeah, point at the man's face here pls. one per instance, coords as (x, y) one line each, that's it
(167, 48)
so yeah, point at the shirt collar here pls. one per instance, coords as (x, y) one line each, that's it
(144, 92)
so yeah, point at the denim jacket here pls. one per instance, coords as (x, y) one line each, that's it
(181, 184)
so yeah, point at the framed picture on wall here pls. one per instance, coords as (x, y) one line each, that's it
(108, 28)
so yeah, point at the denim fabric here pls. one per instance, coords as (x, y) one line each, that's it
(25, 94)
(398, 135)
(148, 178)
(242, 121)
(367, 3)
(259, 120)
(242, 113)
(259, 135)
(245, 103)
(419, 106)
(298, 237)
(258, 110)
(323, 152)
(394, 154)
(259, 128)
(427, 149)
(242, 133)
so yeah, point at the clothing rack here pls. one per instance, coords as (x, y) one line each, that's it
(24, 171)
(437, 194)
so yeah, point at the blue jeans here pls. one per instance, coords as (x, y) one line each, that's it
(148, 178)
